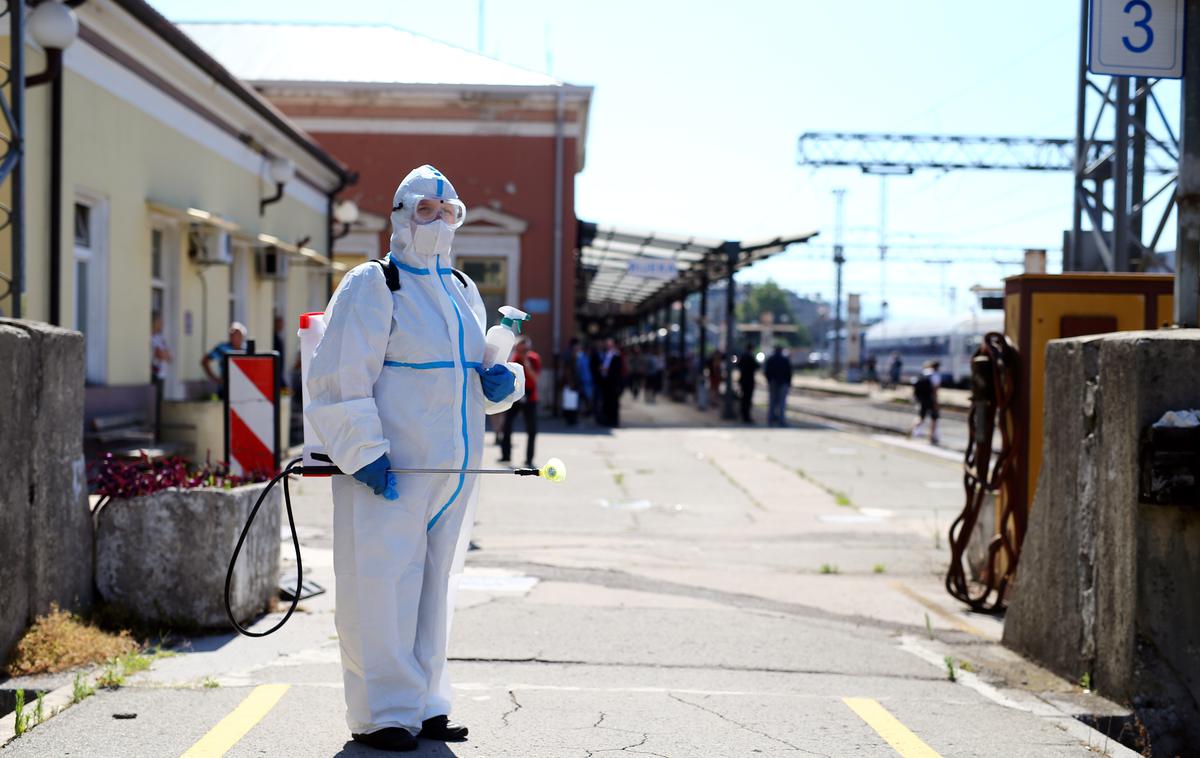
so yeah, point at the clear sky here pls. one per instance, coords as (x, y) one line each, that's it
(698, 106)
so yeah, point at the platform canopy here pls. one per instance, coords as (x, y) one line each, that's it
(622, 271)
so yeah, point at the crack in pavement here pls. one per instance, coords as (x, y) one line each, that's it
(695, 667)
(512, 696)
(752, 730)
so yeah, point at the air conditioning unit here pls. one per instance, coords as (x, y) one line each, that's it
(209, 245)
(271, 263)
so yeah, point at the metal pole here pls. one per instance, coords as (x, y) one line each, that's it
(56, 171)
(838, 259)
(883, 303)
(1187, 247)
(1072, 253)
(702, 350)
(731, 250)
(1137, 178)
(1120, 203)
(16, 79)
(682, 326)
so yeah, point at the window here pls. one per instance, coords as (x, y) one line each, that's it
(490, 275)
(239, 282)
(158, 280)
(83, 225)
(90, 284)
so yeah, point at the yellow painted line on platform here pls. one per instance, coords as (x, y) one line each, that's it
(889, 728)
(233, 727)
(938, 610)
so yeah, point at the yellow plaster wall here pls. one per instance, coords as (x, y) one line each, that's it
(116, 151)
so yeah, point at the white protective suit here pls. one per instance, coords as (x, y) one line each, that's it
(395, 374)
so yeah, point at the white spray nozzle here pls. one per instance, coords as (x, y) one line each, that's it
(512, 317)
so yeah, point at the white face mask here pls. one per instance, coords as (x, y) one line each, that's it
(433, 238)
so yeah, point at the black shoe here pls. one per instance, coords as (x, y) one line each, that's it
(392, 738)
(441, 728)
(505, 460)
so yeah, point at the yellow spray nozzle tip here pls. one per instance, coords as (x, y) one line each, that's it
(554, 470)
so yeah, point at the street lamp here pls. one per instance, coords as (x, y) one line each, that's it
(54, 27)
(345, 213)
(281, 171)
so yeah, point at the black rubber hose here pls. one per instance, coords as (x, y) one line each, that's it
(287, 502)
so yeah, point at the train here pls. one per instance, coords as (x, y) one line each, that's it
(951, 341)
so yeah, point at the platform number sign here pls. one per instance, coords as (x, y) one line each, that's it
(1136, 38)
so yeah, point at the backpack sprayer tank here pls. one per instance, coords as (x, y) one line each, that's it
(312, 328)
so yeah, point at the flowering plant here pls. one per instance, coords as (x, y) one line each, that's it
(115, 477)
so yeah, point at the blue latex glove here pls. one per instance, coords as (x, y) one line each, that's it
(498, 382)
(375, 475)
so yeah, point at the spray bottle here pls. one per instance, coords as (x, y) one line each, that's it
(502, 336)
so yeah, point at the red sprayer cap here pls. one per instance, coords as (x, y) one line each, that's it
(304, 318)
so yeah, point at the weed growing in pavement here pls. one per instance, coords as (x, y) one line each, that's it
(209, 683)
(81, 689)
(1085, 681)
(839, 497)
(39, 709)
(829, 568)
(928, 626)
(21, 722)
(950, 669)
(879, 568)
(112, 678)
(966, 666)
(60, 640)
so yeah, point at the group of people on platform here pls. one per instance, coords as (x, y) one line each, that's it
(595, 378)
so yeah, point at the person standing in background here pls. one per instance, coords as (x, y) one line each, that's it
(612, 378)
(160, 360)
(747, 368)
(526, 407)
(778, 371)
(277, 345)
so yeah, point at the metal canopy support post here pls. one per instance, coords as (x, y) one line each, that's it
(731, 251)
(1187, 248)
(703, 321)
(683, 326)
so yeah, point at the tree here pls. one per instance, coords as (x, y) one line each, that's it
(769, 297)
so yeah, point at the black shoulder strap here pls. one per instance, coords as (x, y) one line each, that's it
(460, 276)
(391, 272)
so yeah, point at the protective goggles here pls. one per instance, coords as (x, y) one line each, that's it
(426, 210)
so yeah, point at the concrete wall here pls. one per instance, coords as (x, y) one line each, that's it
(1106, 586)
(45, 523)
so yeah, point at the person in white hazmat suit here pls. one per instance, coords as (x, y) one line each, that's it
(396, 381)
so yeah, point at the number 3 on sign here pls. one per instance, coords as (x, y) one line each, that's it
(1143, 23)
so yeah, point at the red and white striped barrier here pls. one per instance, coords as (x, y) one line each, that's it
(252, 414)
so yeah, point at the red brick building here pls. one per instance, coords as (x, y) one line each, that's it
(385, 100)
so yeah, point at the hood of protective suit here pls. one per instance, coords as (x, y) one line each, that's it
(415, 244)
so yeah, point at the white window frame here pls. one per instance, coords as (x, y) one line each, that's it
(172, 308)
(95, 255)
(239, 283)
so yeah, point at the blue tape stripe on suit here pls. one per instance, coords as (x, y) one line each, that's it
(431, 364)
(462, 357)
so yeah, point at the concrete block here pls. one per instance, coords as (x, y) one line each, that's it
(61, 522)
(164, 556)
(1106, 585)
(16, 363)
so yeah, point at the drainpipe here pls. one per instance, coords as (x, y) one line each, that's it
(343, 182)
(558, 221)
